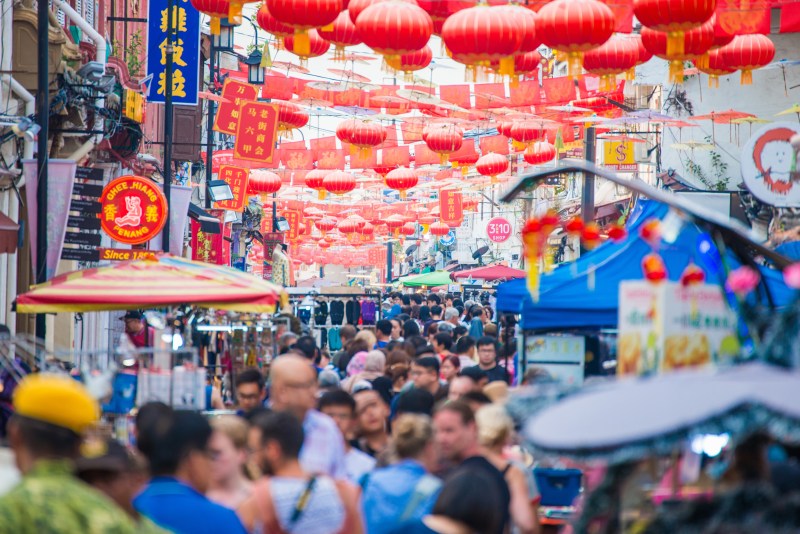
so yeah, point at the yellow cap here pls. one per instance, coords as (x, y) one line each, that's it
(56, 399)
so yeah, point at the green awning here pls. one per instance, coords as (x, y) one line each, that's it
(434, 279)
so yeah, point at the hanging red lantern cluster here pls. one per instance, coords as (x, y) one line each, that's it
(482, 35)
(526, 132)
(326, 224)
(361, 134)
(692, 275)
(674, 18)
(444, 139)
(573, 27)
(216, 9)
(539, 153)
(339, 182)
(492, 165)
(696, 43)
(315, 180)
(304, 15)
(271, 25)
(341, 34)
(402, 179)
(534, 238)
(393, 27)
(715, 67)
(290, 116)
(411, 62)
(747, 53)
(306, 45)
(263, 182)
(616, 56)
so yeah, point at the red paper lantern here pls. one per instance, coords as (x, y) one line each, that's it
(290, 116)
(721, 37)
(393, 27)
(304, 15)
(481, 35)
(444, 139)
(343, 33)
(216, 9)
(408, 229)
(696, 43)
(616, 233)
(527, 132)
(492, 165)
(644, 54)
(402, 179)
(504, 128)
(365, 135)
(654, 268)
(394, 221)
(527, 63)
(674, 17)
(747, 53)
(367, 230)
(344, 130)
(271, 25)
(314, 180)
(356, 7)
(539, 153)
(438, 229)
(573, 27)
(324, 243)
(715, 68)
(326, 224)
(615, 56)
(339, 182)
(526, 20)
(590, 236)
(263, 182)
(692, 275)
(574, 226)
(296, 44)
(411, 62)
(347, 226)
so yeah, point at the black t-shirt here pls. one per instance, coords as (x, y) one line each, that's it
(479, 463)
(497, 373)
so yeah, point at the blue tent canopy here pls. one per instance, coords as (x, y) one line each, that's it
(567, 299)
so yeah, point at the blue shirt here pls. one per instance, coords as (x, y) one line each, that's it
(175, 506)
(387, 495)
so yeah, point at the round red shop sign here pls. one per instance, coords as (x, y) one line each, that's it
(498, 229)
(133, 209)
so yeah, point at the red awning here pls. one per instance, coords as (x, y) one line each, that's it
(490, 273)
(9, 235)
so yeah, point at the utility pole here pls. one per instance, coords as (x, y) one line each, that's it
(587, 196)
(210, 123)
(168, 121)
(42, 157)
(389, 262)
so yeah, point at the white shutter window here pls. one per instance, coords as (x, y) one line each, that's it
(90, 7)
(79, 7)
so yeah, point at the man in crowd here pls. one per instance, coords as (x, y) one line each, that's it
(465, 350)
(177, 447)
(442, 343)
(307, 346)
(487, 360)
(293, 498)
(371, 415)
(433, 300)
(425, 375)
(137, 330)
(293, 388)
(341, 407)
(286, 342)
(383, 332)
(46, 439)
(452, 316)
(456, 436)
(460, 386)
(346, 333)
(436, 316)
(250, 391)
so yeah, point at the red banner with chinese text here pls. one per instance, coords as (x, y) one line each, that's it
(236, 178)
(293, 218)
(211, 248)
(236, 93)
(450, 206)
(256, 132)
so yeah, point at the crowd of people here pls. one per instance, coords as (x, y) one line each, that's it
(402, 431)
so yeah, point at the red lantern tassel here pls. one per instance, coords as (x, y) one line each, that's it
(214, 25)
(235, 12)
(676, 71)
(713, 81)
(747, 77)
(533, 276)
(701, 62)
(575, 64)
(630, 74)
(675, 43)
(321, 194)
(302, 43)
(506, 66)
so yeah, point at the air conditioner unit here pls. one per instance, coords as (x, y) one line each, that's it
(640, 153)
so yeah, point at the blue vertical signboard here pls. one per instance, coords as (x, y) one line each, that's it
(186, 55)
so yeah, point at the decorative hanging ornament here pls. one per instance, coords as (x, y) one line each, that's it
(573, 27)
(342, 34)
(315, 180)
(574, 227)
(673, 17)
(326, 224)
(696, 43)
(303, 15)
(539, 153)
(492, 165)
(692, 275)
(653, 268)
(402, 179)
(651, 232)
(339, 182)
(393, 27)
(747, 53)
(616, 56)
(411, 62)
(216, 9)
(527, 132)
(590, 236)
(715, 68)
(263, 182)
(306, 45)
(443, 139)
(438, 229)
(364, 136)
(271, 25)
(616, 233)
(481, 35)
(533, 239)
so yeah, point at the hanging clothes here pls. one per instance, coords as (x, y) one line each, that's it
(368, 311)
(337, 312)
(352, 311)
(334, 339)
(321, 313)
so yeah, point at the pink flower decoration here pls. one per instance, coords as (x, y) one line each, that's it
(743, 280)
(791, 275)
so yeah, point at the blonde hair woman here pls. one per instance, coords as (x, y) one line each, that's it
(495, 429)
(230, 485)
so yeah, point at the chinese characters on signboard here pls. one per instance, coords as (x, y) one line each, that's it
(256, 132)
(450, 206)
(133, 210)
(211, 248)
(271, 241)
(293, 218)
(237, 179)
(186, 50)
(235, 94)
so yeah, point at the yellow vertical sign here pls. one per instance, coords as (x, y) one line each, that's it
(619, 155)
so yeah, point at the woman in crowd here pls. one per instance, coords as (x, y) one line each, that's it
(374, 367)
(495, 429)
(450, 367)
(230, 484)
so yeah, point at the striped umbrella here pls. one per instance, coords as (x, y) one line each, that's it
(156, 282)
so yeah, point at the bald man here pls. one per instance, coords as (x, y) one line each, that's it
(293, 389)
